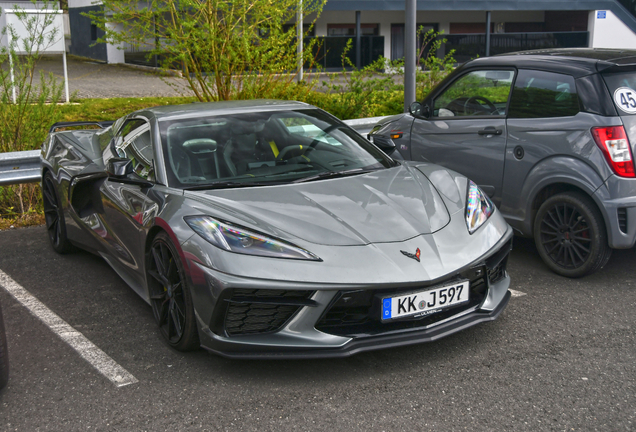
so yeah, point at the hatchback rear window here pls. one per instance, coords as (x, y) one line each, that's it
(622, 87)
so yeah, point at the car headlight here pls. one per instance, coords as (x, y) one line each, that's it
(478, 207)
(240, 240)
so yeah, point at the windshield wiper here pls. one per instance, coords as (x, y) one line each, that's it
(228, 185)
(335, 174)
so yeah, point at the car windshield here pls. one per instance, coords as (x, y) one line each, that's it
(263, 148)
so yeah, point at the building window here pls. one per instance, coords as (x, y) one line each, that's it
(93, 32)
(468, 28)
(350, 29)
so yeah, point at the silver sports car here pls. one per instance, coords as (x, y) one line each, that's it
(272, 229)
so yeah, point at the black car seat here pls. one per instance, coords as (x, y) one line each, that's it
(248, 150)
(204, 152)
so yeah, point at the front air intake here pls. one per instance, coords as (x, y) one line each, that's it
(258, 311)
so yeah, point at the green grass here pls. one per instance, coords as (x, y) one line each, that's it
(112, 109)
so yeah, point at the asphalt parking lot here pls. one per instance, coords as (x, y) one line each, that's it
(90, 79)
(561, 357)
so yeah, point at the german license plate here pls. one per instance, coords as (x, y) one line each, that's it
(423, 303)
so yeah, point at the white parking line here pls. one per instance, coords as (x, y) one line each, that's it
(85, 348)
(514, 293)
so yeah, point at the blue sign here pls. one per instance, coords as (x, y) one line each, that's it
(386, 308)
(601, 14)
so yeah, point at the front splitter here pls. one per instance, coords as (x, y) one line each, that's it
(370, 343)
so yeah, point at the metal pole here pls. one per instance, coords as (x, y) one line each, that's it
(299, 35)
(410, 53)
(9, 41)
(12, 77)
(487, 33)
(358, 40)
(65, 75)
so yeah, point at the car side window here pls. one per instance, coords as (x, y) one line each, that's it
(539, 94)
(133, 142)
(128, 127)
(477, 93)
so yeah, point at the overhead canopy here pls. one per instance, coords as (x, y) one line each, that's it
(486, 5)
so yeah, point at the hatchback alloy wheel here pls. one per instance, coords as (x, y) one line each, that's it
(570, 235)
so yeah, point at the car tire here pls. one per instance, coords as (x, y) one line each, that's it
(170, 295)
(570, 235)
(54, 216)
(4, 355)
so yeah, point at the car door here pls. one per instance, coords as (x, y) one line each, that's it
(467, 129)
(543, 121)
(128, 209)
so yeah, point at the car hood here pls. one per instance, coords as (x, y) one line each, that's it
(388, 205)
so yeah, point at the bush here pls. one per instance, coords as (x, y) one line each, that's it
(433, 69)
(354, 93)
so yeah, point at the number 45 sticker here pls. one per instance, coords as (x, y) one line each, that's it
(625, 99)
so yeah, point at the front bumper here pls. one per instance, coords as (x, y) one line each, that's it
(284, 321)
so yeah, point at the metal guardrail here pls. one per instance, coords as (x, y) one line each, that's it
(19, 167)
(24, 167)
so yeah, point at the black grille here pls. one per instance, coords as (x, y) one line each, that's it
(357, 313)
(252, 311)
(622, 219)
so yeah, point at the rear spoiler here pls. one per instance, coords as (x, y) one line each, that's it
(626, 65)
(60, 125)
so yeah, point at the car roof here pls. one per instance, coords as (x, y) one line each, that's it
(573, 61)
(220, 108)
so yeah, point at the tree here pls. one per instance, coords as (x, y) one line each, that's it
(27, 103)
(226, 49)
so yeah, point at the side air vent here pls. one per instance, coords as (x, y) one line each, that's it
(622, 219)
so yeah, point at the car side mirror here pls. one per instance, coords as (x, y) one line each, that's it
(121, 170)
(418, 110)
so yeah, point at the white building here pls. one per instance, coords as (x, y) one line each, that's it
(514, 25)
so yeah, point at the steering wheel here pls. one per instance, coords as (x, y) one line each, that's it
(474, 103)
(299, 148)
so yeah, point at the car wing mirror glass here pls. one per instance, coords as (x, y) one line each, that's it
(418, 110)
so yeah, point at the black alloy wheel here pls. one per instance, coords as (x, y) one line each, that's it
(4, 355)
(170, 295)
(54, 216)
(570, 235)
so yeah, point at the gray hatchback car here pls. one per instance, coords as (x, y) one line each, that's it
(548, 135)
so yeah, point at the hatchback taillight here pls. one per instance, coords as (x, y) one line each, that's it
(613, 142)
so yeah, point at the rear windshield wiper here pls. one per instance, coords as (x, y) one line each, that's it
(335, 174)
